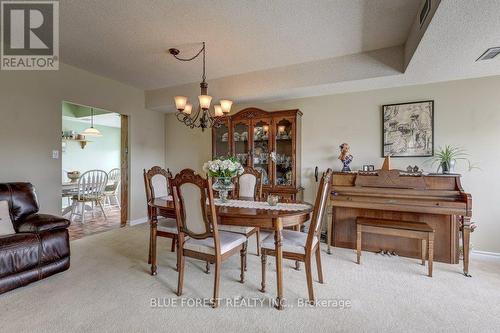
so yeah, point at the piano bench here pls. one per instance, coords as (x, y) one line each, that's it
(416, 230)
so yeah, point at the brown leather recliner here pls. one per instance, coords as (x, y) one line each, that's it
(39, 248)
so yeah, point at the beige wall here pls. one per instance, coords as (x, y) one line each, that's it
(186, 148)
(30, 114)
(467, 113)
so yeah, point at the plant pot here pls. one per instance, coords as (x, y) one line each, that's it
(448, 167)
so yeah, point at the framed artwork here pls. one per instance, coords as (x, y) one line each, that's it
(408, 129)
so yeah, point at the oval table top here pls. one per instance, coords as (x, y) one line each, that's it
(246, 216)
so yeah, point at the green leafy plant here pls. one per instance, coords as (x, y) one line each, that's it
(448, 155)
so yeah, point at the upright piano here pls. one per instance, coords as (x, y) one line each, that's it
(437, 200)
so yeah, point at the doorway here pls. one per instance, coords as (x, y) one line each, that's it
(94, 169)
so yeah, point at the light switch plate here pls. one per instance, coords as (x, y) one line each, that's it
(55, 154)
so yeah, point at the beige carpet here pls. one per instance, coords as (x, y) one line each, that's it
(109, 289)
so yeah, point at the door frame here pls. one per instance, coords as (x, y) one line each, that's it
(124, 166)
(124, 161)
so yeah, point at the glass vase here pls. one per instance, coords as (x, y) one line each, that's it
(223, 185)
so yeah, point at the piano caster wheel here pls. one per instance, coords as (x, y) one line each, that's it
(467, 274)
(328, 251)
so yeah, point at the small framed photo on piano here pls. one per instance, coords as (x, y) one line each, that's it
(408, 129)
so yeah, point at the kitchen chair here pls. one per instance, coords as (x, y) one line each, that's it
(111, 190)
(247, 185)
(156, 184)
(196, 219)
(301, 246)
(91, 186)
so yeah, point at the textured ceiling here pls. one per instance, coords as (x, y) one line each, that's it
(458, 34)
(126, 39)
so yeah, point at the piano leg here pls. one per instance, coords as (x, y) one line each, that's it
(329, 226)
(466, 244)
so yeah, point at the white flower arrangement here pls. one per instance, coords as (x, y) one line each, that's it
(223, 167)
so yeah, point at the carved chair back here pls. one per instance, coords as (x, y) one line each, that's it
(194, 206)
(249, 184)
(319, 208)
(156, 183)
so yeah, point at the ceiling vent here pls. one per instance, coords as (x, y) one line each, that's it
(489, 54)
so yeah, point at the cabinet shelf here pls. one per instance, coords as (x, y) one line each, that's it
(82, 142)
(253, 121)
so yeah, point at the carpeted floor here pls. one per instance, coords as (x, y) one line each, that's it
(109, 289)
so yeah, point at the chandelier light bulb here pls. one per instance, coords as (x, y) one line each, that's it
(188, 108)
(180, 102)
(205, 101)
(226, 105)
(218, 111)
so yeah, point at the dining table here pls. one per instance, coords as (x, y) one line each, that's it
(268, 218)
(69, 189)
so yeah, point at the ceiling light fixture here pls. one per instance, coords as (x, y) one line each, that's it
(91, 131)
(490, 53)
(201, 117)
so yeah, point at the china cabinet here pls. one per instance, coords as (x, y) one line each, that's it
(267, 141)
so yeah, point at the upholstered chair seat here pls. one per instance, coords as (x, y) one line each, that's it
(199, 235)
(86, 197)
(302, 246)
(228, 241)
(167, 225)
(236, 229)
(156, 185)
(293, 241)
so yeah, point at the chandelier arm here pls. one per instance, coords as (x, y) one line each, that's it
(193, 57)
(193, 118)
(201, 118)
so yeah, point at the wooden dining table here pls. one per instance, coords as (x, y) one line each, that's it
(249, 217)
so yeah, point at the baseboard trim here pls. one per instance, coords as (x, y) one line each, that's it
(492, 255)
(137, 221)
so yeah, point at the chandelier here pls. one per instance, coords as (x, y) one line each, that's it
(201, 117)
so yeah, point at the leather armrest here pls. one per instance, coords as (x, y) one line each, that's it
(37, 223)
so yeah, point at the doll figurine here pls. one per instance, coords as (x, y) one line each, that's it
(345, 157)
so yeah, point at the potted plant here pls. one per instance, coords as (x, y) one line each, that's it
(223, 169)
(447, 157)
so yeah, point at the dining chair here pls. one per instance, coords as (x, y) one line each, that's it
(111, 189)
(247, 185)
(156, 185)
(196, 219)
(91, 186)
(301, 246)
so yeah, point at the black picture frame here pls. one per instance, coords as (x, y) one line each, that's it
(401, 133)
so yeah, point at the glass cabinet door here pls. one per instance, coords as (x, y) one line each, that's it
(240, 141)
(262, 148)
(284, 152)
(221, 140)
